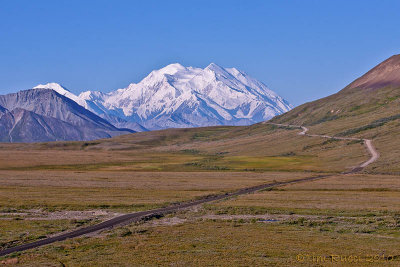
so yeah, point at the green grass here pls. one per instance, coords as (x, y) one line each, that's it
(192, 160)
(375, 124)
(246, 163)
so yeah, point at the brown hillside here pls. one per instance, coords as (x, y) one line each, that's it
(385, 74)
(367, 108)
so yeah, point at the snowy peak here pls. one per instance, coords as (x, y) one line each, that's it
(178, 96)
(172, 69)
(169, 74)
(215, 68)
(54, 86)
(91, 95)
(62, 91)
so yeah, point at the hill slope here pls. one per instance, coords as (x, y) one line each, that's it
(385, 74)
(369, 107)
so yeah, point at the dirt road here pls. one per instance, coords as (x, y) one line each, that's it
(367, 142)
(134, 217)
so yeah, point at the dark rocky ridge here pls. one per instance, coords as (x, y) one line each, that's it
(41, 115)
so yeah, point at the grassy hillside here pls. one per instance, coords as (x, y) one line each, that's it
(362, 109)
(253, 148)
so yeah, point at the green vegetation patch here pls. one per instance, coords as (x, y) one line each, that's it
(372, 125)
(290, 162)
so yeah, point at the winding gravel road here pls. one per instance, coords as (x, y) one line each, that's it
(367, 142)
(143, 215)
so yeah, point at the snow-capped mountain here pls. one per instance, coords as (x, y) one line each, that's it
(178, 96)
(86, 102)
(62, 91)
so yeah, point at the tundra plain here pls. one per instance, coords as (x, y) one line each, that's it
(47, 188)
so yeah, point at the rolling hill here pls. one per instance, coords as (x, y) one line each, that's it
(369, 107)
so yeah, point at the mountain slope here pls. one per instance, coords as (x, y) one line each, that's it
(21, 125)
(62, 91)
(361, 98)
(2, 110)
(385, 74)
(369, 108)
(44, 115)
(178, 97)
(86, 100)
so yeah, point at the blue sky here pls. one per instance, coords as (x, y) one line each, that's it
(301, 49)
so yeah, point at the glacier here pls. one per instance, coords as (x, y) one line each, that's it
(179, 97)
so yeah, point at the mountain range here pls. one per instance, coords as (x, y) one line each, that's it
(172, 97)
(180, 97)
(368, 108)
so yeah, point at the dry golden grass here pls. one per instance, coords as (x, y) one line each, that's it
(385, 139)
(213, 243)
(366, 182)
(347, 215)
(258, 147)
(377, 110)
(324, 201)
(19, 231)
(128, 191)
(344, 194)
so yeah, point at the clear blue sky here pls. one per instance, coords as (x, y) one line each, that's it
(301, 49)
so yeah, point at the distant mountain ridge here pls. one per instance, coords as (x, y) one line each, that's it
(177, 96)
(89, 105)
(40, 115)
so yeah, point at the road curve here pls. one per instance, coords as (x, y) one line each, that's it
(367, 142)
(138, 216)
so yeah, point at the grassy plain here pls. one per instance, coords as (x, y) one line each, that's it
(335, 216)
(26, 195)
(353, 194)
(345, 215)
(120, 191)
(254, 148)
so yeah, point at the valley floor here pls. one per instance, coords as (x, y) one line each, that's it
(345, 215)
(54, 187)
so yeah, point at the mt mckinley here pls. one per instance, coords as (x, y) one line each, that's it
(177, 96)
